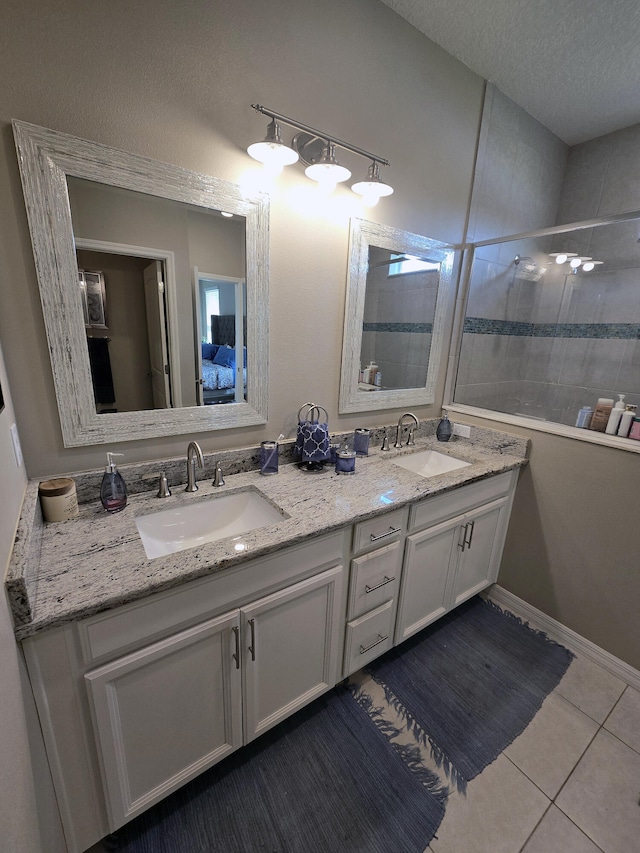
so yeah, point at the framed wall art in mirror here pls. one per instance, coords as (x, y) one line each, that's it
(101, 210)
(398, 288)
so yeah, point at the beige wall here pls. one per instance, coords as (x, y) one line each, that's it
(573, 544)
(27, 806)
(574, 541)
(175, 83)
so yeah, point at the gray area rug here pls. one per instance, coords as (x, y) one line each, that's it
(335, 779)
(470, 684)
(325, 780)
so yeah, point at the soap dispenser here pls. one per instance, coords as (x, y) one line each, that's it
(444, 430)
(113, 491)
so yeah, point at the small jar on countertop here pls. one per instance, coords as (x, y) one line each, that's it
(58, 499)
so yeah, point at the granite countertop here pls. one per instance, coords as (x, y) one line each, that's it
(72, 569)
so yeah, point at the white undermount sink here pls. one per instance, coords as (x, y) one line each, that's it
(217, 517)
(429, 463)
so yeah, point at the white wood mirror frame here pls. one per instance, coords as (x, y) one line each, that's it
(364, 234)
(46, 158)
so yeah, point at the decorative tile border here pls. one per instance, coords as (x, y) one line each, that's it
(513, 328)
(421, 328)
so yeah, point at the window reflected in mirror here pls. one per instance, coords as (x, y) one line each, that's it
(552, 323)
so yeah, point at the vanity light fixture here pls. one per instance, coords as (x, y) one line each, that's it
(272, 151)
(317, 150)
(373, 188)
(576, 262)
(562, 257)
(327, 171)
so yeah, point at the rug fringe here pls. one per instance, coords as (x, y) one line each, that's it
(520, 621)
(408, 753)
(439, 757)
(431, 780)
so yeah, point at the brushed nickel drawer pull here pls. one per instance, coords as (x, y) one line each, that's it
(386, 580)
(462, 539)
(380, 639)
(471, 525)
(236, 656)
(252, 646)
(390, 532)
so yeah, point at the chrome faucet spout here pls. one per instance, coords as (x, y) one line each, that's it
(194, 454)
(399, 429)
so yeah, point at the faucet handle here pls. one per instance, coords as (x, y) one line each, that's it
(218, 480)
(410, 440)
(385, 440)
(163, 487)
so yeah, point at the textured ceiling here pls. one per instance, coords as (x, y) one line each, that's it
(572, 64)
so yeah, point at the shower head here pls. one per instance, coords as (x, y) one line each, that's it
(527, 269)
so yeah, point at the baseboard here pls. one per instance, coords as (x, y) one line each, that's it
(561, 634)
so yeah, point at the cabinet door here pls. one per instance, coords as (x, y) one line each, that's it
(291, 649)
(424, 593)
(165, 713)
(479, 558)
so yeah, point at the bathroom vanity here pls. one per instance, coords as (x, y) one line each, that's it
(148, 671)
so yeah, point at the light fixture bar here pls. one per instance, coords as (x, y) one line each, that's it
(319, 133)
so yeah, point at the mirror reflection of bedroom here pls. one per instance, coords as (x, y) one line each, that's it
(221, 319)
(123, 302)
(147, 307)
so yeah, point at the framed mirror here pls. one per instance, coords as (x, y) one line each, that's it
(398, 287)
(120, 242)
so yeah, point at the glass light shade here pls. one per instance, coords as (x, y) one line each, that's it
(272, 151)
(562, 257)
(327, 170)
(374, 188)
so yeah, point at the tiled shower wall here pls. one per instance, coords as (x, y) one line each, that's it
(398, 322)
(561, 342)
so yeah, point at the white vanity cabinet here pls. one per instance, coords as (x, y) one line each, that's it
(137, 700)
(165, 713)
(168, 711)
(455, 551)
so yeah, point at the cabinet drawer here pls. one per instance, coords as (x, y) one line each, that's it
(437, 509)
(368, 637)
(378, 531)
(375, 578)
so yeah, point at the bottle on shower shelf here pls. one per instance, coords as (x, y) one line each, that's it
(616, 415)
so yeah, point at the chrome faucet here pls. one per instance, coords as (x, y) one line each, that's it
(194, 454)
(399, 430)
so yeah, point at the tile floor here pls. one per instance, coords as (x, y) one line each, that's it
(569, 784)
